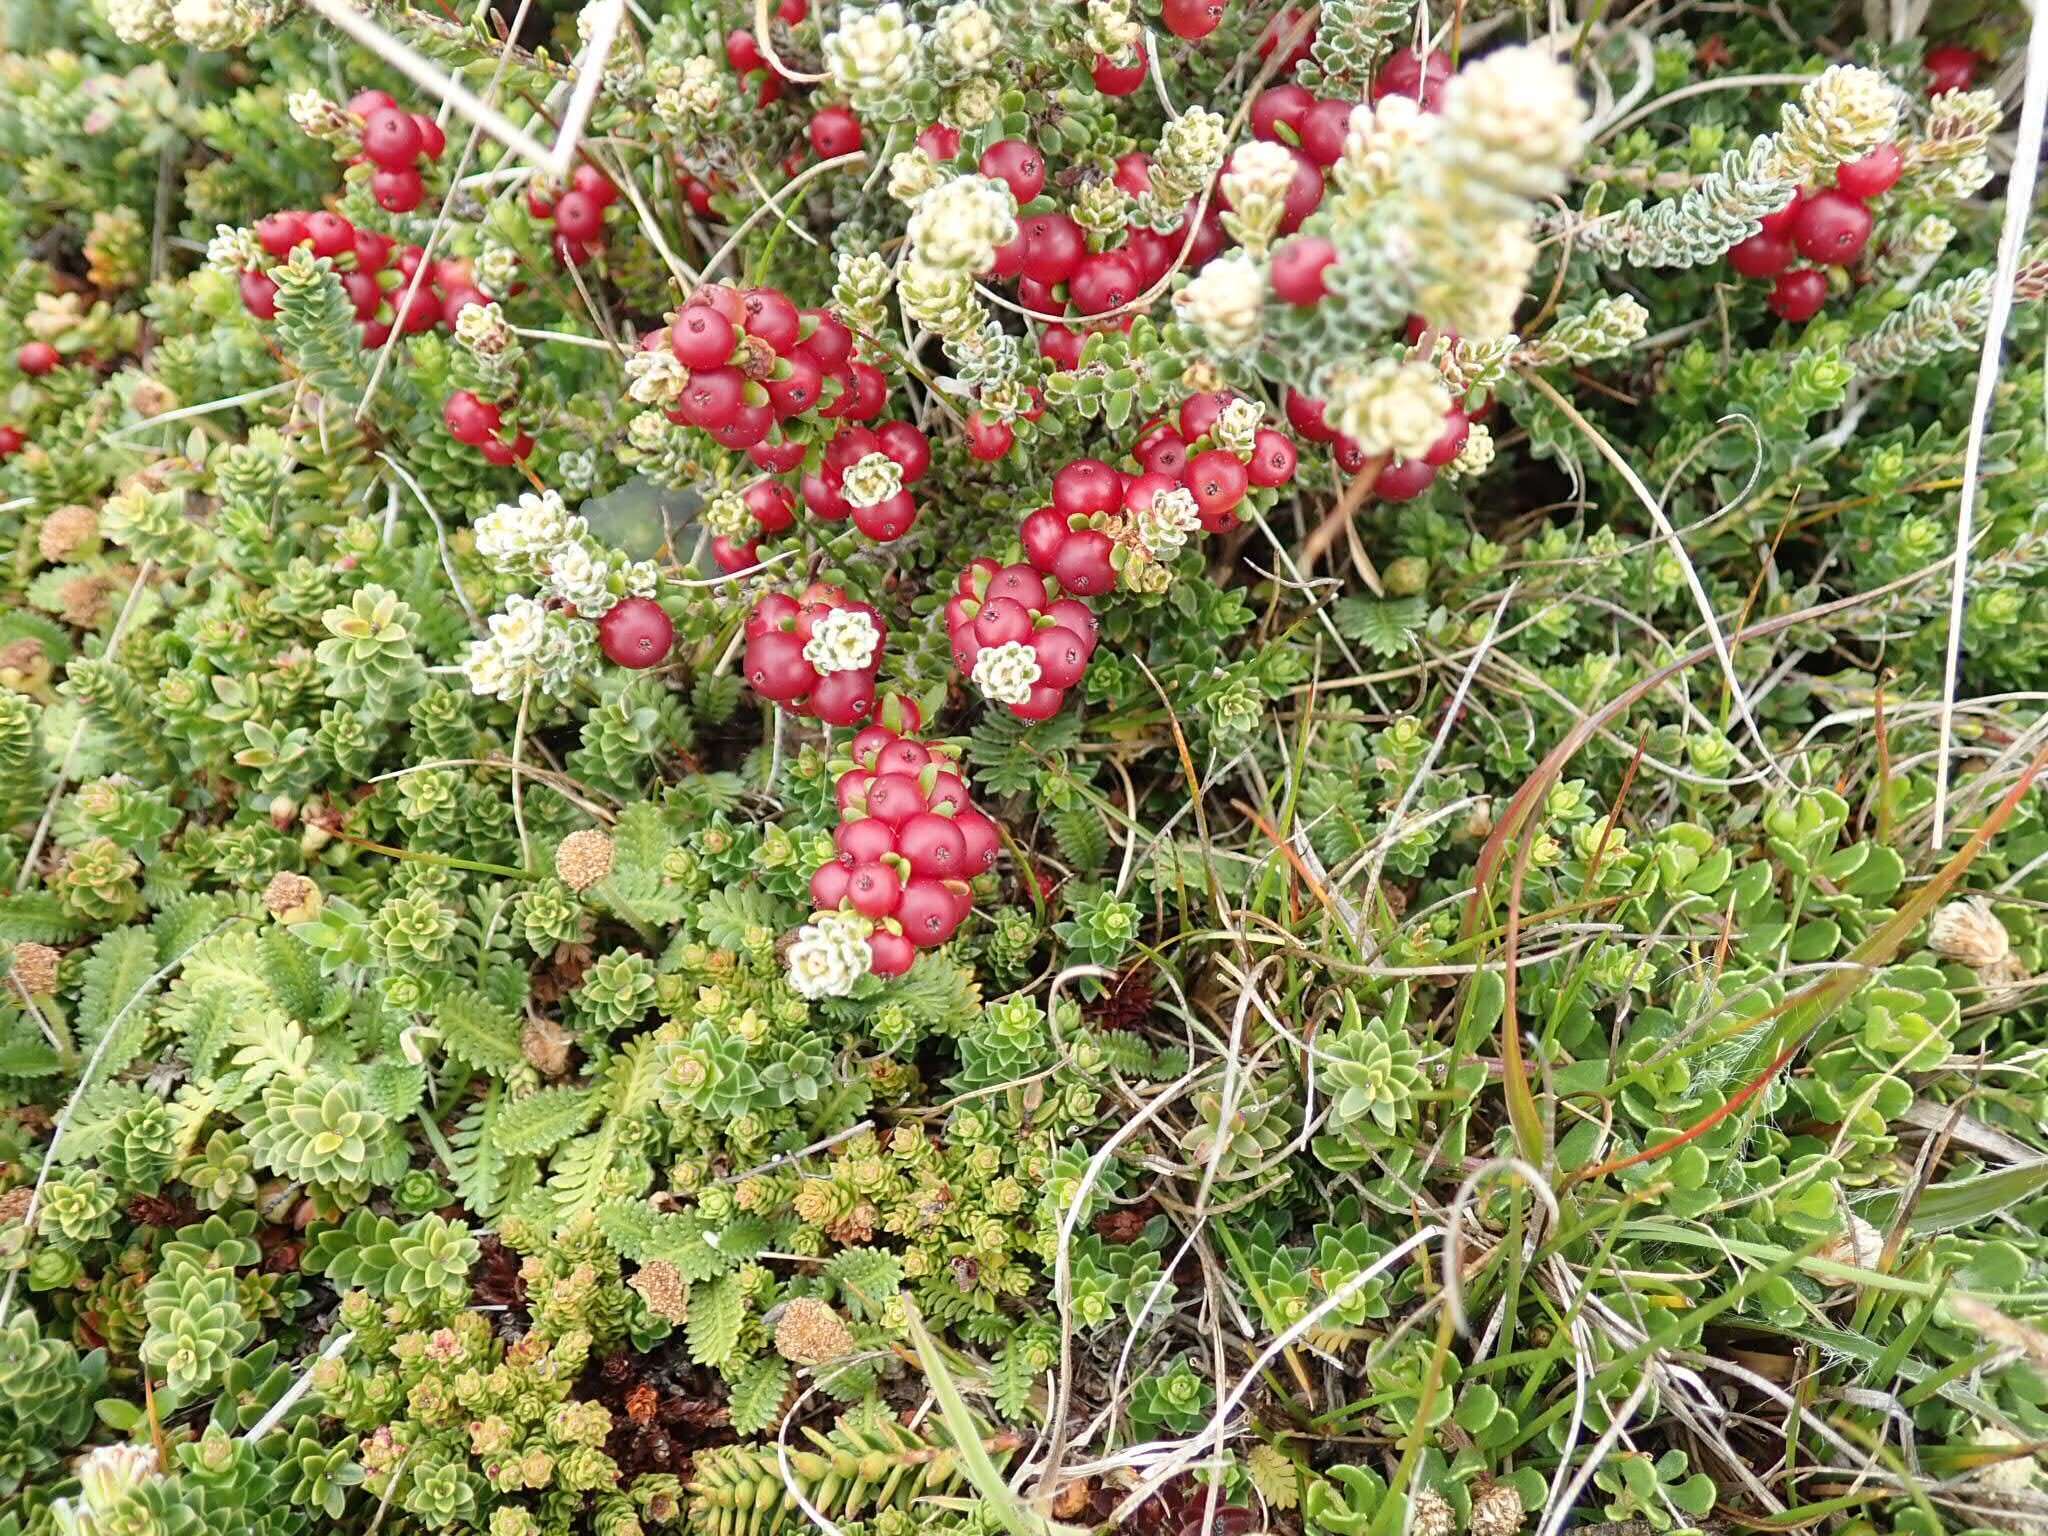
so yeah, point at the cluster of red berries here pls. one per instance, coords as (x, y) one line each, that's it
(396, 141)
(909, 839)
(1393, 479)
(996, 605)
(755, 360)
(480, 424)
(577, 212)
(636, 632)
(743, 52)
(376, 273)
(816, 654)
(1829, 227)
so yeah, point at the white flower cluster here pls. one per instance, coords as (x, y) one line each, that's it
(973, 102)
(1162, 529)
(1255, 186)
(830, 955)
(233, 250)
(1476, 457)
(1381, 143)
(1390, 406)
(139, 23)
(957, 226)
(871, 481)
(727, 517)
(697, 93)
(912, 173)
(1007, 673)
(319, 118)
(1191, 150)
(484, 330)
(655, 377)
(1111, 30)
(517, 536)
(529, 646)
(966, 37)
(1226, 301)
(497, 267)
(219, 24)
(844, 640)
(580, 579)
(872, 55)
(1843, 113)
(1237, 426)
(1513, 123)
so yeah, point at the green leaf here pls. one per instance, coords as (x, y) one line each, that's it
(36, 917)
(478, 1033)
(1386, 626)
(542, 1121)
(756, 1401)
(716, 1312)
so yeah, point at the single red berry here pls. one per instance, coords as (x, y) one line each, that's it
(830, 343)
(1761, 255)
(470, 420)
(777, 458)
(823, 498)
(1061, 347)
(1779, 225)
(1216, 480)
(433, 140)
(277, 233)
(397, 191)
(1015, 163)
(988, 440)
(12, 441)
(1952, 67)
(1191, 19)
(1304, 194)
(909, 447)
(1054, 246)
(749, 425)
(1298, 268)
(1086, 486)
(1043, 534)
(1002, 621)
(796, 388)
(984, 842)
(1082, 562)
(1134, 172)
(700, 337)
(828, 885)
(418, 309)
(1832, 228)
(373, 251)
(1404, 479)
(1277, 107)
(331, 233)
(1044, 702)
(1799, 295)
(887, 520)
(1119, 79)
(1873, 175)
(939, 141)
(1198, 413)
(867, 840)
(37, 358)
(713, 397)
(1273, 458)
(699, 194)
(1105, 281)
(593, 184)
(1305, 415)
(259, 295)
(1406, 73)
(1163, 452)
(636, 633)
(1062, 656)
(733, 558)
(933, 845)
(1451, 441)
(928, 913)
(873, 889)
(773, 505)
(776, 667)
(392, 139)
(770, 317)
(364, 296)
(1352, 458)
(363, 103)
(893, 798)
(1324, 130)
(890, 954)
(578, 217)
(791, 13)
(834, 131)
(1203, 244)
(742, 52)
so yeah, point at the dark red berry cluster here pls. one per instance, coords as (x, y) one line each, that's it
(798, 653)
(480, 424)
(396, 142)
(743, 53)
(1829, 227)
(909, 839)
(997, 605)
(376, 274)
(1393, 479)
(577, 212)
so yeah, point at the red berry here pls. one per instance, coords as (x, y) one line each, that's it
(1304, 193)
(12, 441)
(37, 358)
(1324, 130)
(939, 141)
(909, 447)
(776, 667)
(469, 419)
(1163, 452)
(1191, 19)
(1043, 534)
(797, 389)
(259, 295)
(830, 343)
(1086, 486)
(277, 233)
(1082, 563)
(1280, 105)
(1352, 458)
(1107, 280)
(699, 194)
(418, 309)
(1872, 176)
(724, 298)
(593, 184)
(873, 889)
(1016, 163)
(1134, 173)
(866, 840)
(834, 131)
(398, 191)
(1115, 79)
(1298, 267)
(1143, 490)
(1153, 252)
(1761, 255)
(792, 12)
(1019, 584)
(1198, 413)
(1061, 347)
(636, 633)
(927, 912)
(1798, 296)
(948, 793)
(869, 392)
(713, 397)
(1305, 415)
(432, 139)
(988, 440)
(1779, 225)
(1404, 479)
(578, 217)
(823, 498)
(330, 232)
(700, 337)
(1832, 228)
(749, 425)
(897, 755)
(733, 558)
(1407, 74)
(1205, 241)
(1053, 247)
(1216, 480)
(844, 698)
(1043, 704)
(893, 798)
(1062, 656)
(887, 520)
(742, 52)
(363, 103)
(828, 885)
(373, 251)
(1288, 25)
(933, 845)
(392, 139)
(1951, 67)
(1002, 621)
(779, 458)
(1273, 458)
(363, 293)
(773, 505)
(889, 954)
(984, 843)
(1451, 441)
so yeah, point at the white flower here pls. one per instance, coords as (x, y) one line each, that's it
(912, 173)
(959, 225)
(872, 54)
(1258, 170)
(497, 267)
(488, 673)
(520, 630)
(871, 481)
(973, 103)
(728, 517)
(1237, 426)
(516, 533)
(844, 640)
(642, 577)
(1390, 406)
(1111, 29)
(217, 24)
(1381, 140)
(655, 377)
(139, 23)
(579, 579)
(1476, 457)
(830, 955)
(1163, 528)
(1226, 302)
(1007, 673)
(233, 250)
(649, 432)
(1514, 122)
(698, 92)
(967, 36)
(483, 329)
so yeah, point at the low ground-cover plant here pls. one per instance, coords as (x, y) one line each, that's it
(1014, 767)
